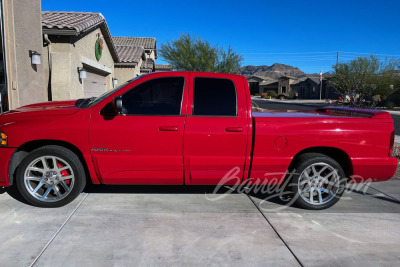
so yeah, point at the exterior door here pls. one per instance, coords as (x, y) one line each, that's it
(143, 146)
(94, 85)
(216, 129)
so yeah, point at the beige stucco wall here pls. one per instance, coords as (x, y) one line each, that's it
(23, 32)
(152, 55)
(66, 58)
(124, 74)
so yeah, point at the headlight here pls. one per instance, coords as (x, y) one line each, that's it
(4, 139)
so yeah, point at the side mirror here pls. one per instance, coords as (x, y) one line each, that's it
(117, 105)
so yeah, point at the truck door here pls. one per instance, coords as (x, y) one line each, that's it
(145, 144)
(216, 128)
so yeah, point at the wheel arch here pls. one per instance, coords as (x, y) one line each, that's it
(22, 151)
(337, 154)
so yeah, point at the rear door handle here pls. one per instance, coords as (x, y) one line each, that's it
(168, 128)
(234, 129)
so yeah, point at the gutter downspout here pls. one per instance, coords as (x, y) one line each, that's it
(48, 42)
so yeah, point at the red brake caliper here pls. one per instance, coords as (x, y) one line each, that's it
(63, 173)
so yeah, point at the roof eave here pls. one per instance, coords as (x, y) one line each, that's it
(126, 64)
(53, 31)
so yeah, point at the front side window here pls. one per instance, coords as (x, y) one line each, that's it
(214, 97)
(162, 96)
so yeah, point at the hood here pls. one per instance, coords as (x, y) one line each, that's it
(44, 109)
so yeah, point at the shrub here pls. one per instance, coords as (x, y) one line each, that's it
(264, 95)
(390, 105)
(272, 93)
(292, 95)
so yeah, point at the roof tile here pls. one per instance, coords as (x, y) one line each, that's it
(78, 21)
(129, 54)
(146, 42)
(147, 64)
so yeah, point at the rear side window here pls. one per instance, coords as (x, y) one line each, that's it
(162, 96)
(214, 97)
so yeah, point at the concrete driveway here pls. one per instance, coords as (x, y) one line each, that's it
(131, 225)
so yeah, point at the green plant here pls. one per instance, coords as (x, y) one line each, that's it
(272, 93)
(362, 77)
(292, 95)
(390, 105)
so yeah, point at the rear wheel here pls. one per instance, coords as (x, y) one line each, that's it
(50, 176)
(319, 182)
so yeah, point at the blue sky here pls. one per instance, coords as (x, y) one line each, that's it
(305, 34)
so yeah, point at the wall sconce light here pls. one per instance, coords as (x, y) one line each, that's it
(35, 56)
(82, 73)
(115, 81)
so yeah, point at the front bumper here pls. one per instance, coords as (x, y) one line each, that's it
(5, 156)
(373, 169)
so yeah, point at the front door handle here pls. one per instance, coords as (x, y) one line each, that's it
(168, 128)
(234, 129)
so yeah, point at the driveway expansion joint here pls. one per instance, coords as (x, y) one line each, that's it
(276, 231)
(58, 231)
(385, 193)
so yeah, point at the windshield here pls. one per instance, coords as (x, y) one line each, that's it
(96, 100)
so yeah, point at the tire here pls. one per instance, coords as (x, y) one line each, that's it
(318, 183)
(57, 170)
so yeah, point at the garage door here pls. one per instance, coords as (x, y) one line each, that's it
(94, 84)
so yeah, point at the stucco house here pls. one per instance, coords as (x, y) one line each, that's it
(54, 55)
(138, 55)
(76, 40)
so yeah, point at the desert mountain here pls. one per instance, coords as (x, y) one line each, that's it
(275, 71)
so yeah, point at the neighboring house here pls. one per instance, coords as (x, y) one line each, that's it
(163, 67)
(148, 43)
(268, 84)
(55, 55)
(131, 67)
(310, 87)
(131, 59)
(305, 87)
(285, 84)
(254, 83)
(75, 40)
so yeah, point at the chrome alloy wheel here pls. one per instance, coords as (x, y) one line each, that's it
(49, 178)
(318, 183)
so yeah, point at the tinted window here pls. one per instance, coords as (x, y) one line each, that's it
(214, 97)
(162, 96)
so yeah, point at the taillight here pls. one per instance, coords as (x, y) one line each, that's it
(391, 144)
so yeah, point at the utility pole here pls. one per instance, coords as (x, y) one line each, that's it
(337, 60)
(320, 85)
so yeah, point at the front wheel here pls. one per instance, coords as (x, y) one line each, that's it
(318, 183)
(50, 176)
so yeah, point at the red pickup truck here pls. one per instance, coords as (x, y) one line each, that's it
(190, 128)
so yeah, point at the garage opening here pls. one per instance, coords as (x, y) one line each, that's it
(95, 83)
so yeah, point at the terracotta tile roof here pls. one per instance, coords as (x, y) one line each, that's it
(164, 67)
(147, 64)
(130, 54)
(146, 42)
(78, 21)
